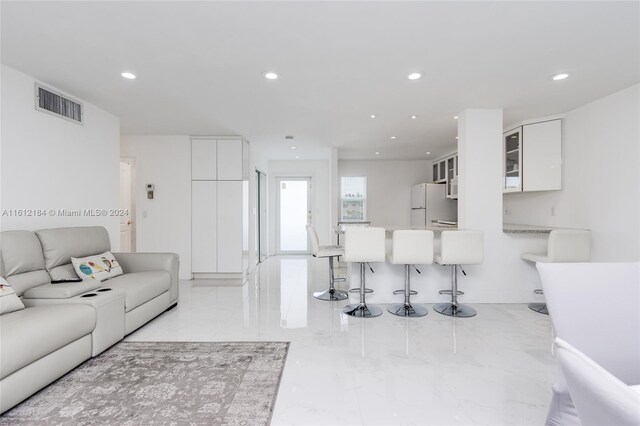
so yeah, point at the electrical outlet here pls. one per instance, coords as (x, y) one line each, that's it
(553, 210)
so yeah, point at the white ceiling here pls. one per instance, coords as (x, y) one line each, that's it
(200, 65)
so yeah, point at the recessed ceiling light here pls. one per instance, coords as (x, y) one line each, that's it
(128, 75)
(455, 117)
(377, 152)
(393, 137)
(413, 117)
(292, 147)
(560, 76)
(297, 156)
(372, 116)
(428, 153)
(414, 76)
(270, 75)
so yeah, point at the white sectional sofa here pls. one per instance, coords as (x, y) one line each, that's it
(66, 323)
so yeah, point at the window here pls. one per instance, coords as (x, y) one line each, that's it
(353, 198)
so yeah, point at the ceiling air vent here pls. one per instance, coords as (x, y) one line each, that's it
(52, 102)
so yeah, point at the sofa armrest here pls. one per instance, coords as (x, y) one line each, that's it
(61, 290)
(144, 262)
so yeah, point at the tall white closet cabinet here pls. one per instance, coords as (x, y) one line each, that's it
(219, 216)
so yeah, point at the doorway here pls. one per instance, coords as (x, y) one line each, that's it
(262, 219)
(293, 214)
(127, 205)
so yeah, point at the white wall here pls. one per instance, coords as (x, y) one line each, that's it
(388, 187)
(50, 163)
(320, 181)
(601, 179)
(164, 161)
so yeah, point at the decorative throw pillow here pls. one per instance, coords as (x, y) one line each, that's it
(9, 300)
(98, 267)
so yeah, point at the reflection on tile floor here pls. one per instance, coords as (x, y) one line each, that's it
(494, 369)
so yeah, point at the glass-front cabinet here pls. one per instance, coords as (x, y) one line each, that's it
(451, 174)
(353, 198)
(440, 171)
(512, 167)
(445, 170)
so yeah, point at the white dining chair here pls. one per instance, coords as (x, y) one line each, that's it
(595, 307)
(600, 398)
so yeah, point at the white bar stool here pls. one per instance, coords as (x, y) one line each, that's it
(458, 248)
(564, 246)
(331, 252)
(410, 248)
(363, 245)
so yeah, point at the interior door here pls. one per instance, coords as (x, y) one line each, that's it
(125, 205)
(294, 214)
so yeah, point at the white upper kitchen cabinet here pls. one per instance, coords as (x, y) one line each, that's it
(542, 156)
(445, 170)
(203, 159)
(230, 158)
(532, 156)
(512, 160)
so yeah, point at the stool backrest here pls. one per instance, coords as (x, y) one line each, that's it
(313, 238)
(462, 247)
(569, 245)
(364, 244)
(412, 247)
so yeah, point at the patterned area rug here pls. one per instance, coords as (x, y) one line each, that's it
(157, 383)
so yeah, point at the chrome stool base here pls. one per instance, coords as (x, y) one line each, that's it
(362, 311)
(451, 310)
(403, 310)
(540, 308)
(331, 295)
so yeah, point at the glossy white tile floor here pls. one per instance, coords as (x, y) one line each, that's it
(494, 369)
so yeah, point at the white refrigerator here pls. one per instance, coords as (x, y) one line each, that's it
(429, 202)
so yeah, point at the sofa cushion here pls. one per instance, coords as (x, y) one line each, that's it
(59, 245)
(21, 252)
(63, 273)
(61, 290)
(140, 287)
(22, 260)
(33, 333)
(23, 282)
(9, 300)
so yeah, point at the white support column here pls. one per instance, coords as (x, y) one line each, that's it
(480, 165)
(503, 277)
(334, 193)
